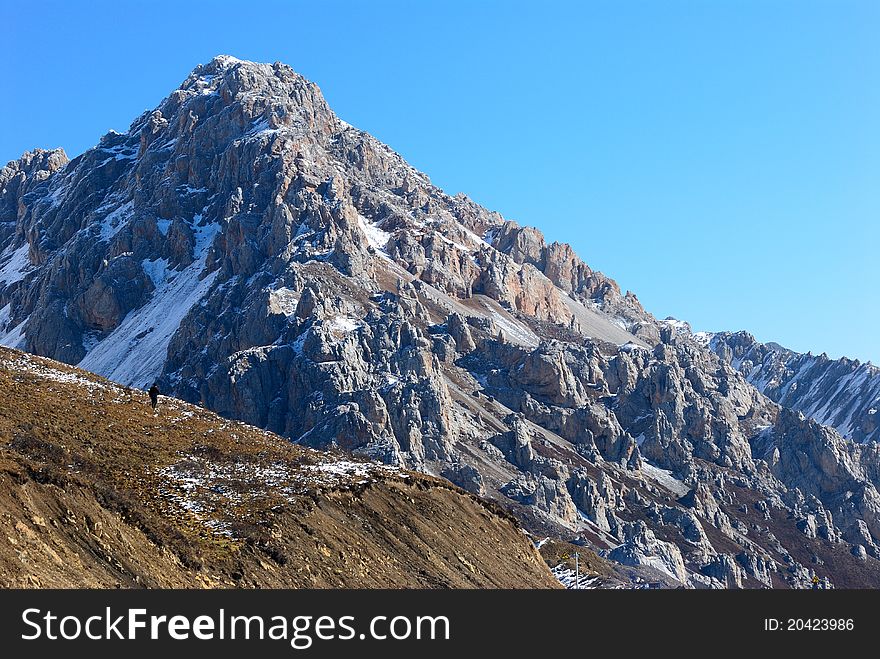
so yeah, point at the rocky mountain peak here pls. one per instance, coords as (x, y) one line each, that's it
(273, 93)
(38, 160)
(33, 167)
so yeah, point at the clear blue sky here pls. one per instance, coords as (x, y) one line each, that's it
(720, 159)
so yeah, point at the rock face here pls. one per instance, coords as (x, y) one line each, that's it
(841, 393)
(256, 255)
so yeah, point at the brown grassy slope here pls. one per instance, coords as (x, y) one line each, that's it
(96, 490)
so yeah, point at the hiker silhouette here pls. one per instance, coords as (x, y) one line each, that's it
(154, 395)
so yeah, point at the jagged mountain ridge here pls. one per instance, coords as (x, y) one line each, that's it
(841, 393)
(265, 259)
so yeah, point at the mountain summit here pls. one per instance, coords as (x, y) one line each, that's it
(259, 256)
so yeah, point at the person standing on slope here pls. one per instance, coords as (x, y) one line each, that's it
(154, 395)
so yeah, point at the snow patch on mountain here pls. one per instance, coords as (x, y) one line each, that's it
(569, 579)
(115, 220)
(11, 337)
(665, 478)
(135, 352)
(157, 270)
(514, 330)
(16, 337)
(283, 300)
(344, 324)
(376, 237)
(15, 264)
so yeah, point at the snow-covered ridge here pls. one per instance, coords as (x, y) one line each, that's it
(841, 393)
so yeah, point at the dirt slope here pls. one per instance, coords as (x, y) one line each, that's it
(97, 491)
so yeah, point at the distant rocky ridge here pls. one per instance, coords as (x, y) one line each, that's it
(266, 260)
(841, 393)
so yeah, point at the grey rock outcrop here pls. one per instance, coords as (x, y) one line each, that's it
(642, 548)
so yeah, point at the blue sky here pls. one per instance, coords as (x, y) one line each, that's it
(720, 159)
